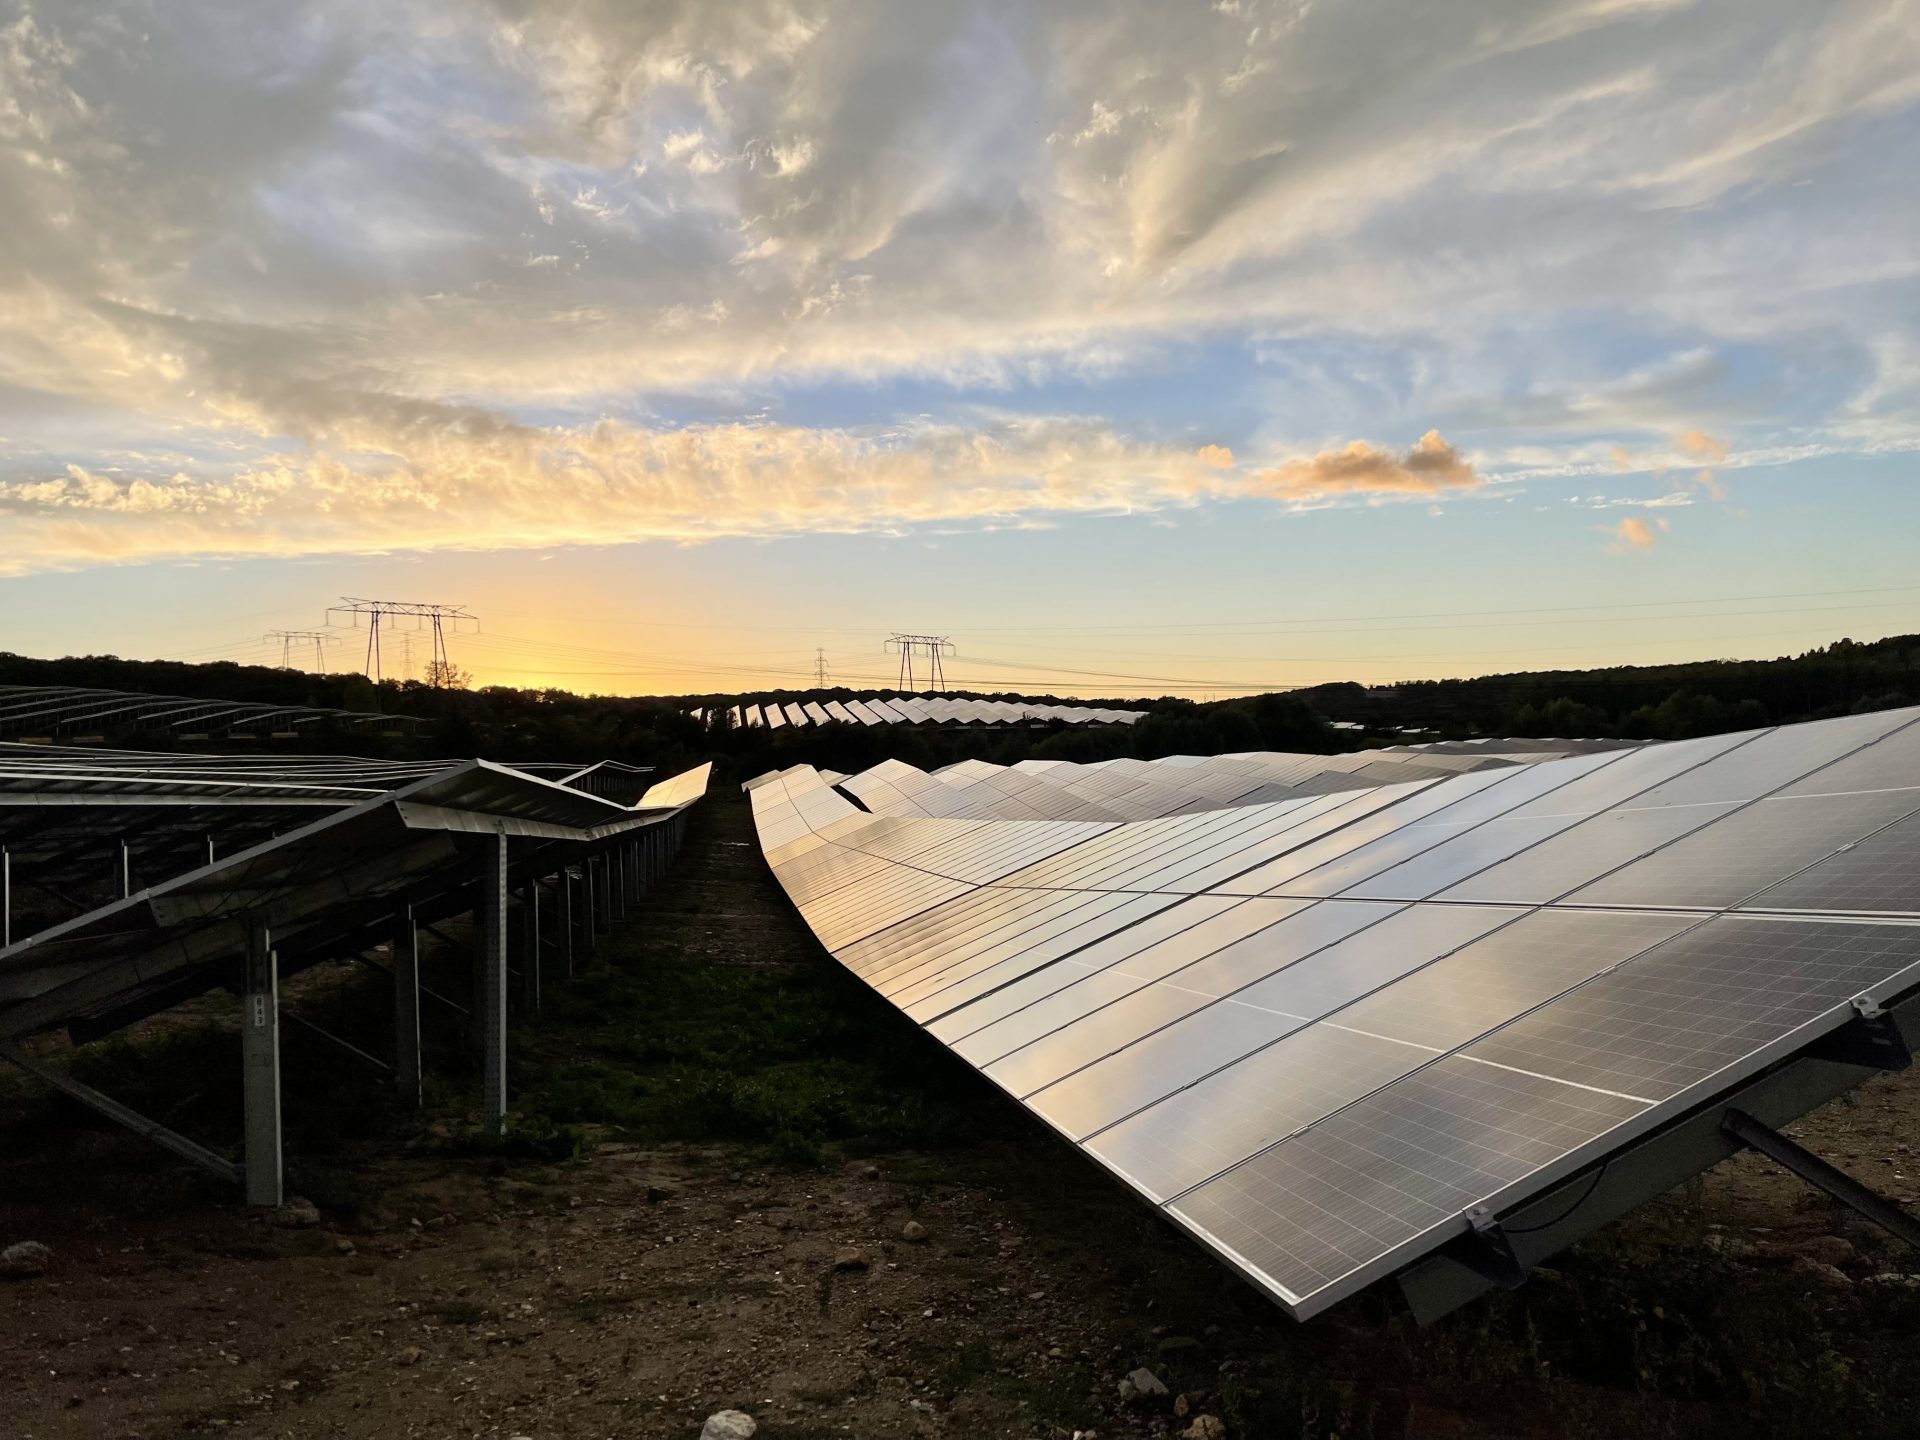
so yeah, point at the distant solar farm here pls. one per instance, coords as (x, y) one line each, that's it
(919, 710)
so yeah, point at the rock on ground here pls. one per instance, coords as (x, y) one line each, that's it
(297, 1214)
(25, 1260)
(1818, 1273)
(728, 1425)
(1205, 1427)
(1145, 1382)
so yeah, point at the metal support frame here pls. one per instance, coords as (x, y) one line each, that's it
(125, 1115)
(407, 1078)
(1822, 1176)
(260, 1067)
(493, 992)
(618, 875)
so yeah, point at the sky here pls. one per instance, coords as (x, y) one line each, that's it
(1139, 347)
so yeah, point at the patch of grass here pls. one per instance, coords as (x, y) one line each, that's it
(671, 1047)
(533, 1135)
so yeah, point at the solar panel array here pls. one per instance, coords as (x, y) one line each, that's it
(55, 713)
(1318, 1009)
(922, 710)
(158, 858)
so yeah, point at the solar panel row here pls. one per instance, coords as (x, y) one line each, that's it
(52, 713)
(1319, 1008)
(921, 710)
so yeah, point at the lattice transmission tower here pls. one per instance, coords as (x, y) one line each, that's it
(425, 615)
(820, 668)
(292, 640)
(931, 648)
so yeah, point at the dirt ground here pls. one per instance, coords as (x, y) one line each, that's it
(636, 1290)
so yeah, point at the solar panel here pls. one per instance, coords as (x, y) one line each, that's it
(1319, 1025)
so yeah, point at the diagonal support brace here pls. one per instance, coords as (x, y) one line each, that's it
(125, 1115)
(1822, 1176)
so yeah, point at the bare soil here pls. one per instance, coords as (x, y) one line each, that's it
(447, 1291)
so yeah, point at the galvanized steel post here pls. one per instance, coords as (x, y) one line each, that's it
(260, 1062)
(493, 998)
(406, 1007)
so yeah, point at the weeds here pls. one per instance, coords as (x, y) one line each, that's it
(666, 1047)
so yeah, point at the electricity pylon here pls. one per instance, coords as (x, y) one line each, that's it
(930, 646)
(424, 614)
(288, 639)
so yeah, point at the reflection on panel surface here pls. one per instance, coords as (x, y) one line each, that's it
(1320, 1006)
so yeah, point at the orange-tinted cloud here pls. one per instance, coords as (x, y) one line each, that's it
(1699, 446)
(1633, 533)
(384, 478)
(1430, 467)
(1706, 480)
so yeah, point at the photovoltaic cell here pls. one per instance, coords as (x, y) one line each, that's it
(1749, 850)
(1405, 1024)
(1688, 1009)
(1582, 854)
(1880, 873)
(990, 1026)
(1342, 1197)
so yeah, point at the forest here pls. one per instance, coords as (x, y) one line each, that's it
(507, 723)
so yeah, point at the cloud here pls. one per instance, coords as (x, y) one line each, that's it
(1702, 448)
(1657, 502)
(378, 475)
(1633, 533)
(1431, 466)
(287, 242)
(461, 479)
